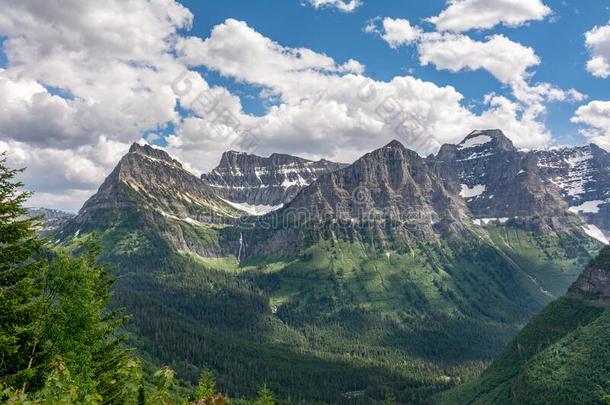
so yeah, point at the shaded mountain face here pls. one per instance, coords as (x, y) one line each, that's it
(260, 184)
(561, 356)
(594, 283)
(392, 184)
(500, 183)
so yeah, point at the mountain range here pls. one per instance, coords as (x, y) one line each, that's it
(50, 219)
(338, 283)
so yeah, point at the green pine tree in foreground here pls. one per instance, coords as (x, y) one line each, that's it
(206, 393)
(265, 396)
(22, 351)
(58, 344)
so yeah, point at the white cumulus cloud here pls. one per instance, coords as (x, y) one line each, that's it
(395, 31)
(595, 116)
(506, 60)
(346, 6)
(598, 43)
(233, 45)
(464, 15)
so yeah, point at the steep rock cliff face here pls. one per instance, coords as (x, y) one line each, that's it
(261, 184)
(594, 283)
(583, 176)
(390, 185)
(151, 194)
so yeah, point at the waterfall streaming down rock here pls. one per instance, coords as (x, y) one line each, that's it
(241, 247)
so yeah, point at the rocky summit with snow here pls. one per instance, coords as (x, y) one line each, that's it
(502, 183)
(533, 188)
(258, 184)
(582, 175)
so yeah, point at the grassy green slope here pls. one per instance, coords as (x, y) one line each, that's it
(553, 262)
(343, 322)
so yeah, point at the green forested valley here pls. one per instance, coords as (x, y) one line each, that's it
(562, 356)
(344, 322)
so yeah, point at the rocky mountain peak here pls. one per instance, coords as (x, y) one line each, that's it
(582, 175)
(151, 178)
(230, 157)
(153, 153)
(495, 137)
(394, 144)
(500, 183)
(391, 183)
(393, 151)
(596, 149)
(478, 144)
(234, 159)
(594, 282)
(259, 184)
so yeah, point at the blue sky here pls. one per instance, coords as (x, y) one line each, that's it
(558, 41)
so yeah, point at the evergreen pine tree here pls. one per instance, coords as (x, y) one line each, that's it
(206, 389)
(57, 310)
(77, 290)
(21, 348)
(265, 396)
(164, 380)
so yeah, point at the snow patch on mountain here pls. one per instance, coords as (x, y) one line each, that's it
(188, 220)
(474, 191)
(254, 209)
(474, 141)
(596, 233)
(588, 207)
(487, 221)
(476, 155)
(570, 169)
(299, 182)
